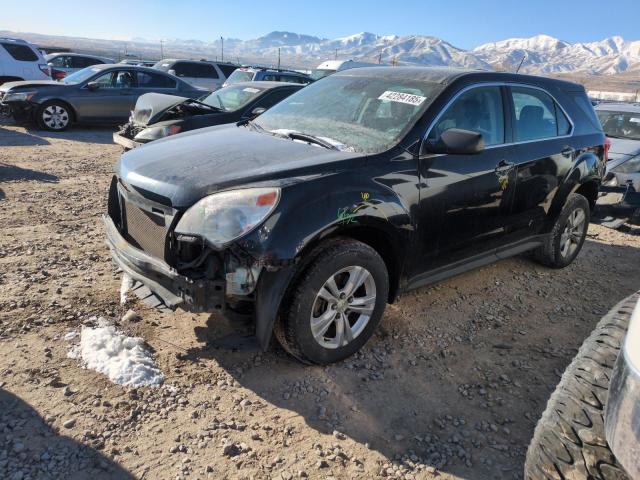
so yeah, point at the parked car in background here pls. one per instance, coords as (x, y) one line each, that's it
(141, 63)
(259, 74)
(591, 427)
(98, 94)
(63, 64)
(20, 60)
(356, 188)
(209, 75)
(332, 66)
(621, 125)
(157, 115)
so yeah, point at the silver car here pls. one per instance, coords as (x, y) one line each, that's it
(621, 124)
(66, 63)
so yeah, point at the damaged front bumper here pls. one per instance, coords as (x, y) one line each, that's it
(616, 206)
(172, 288)
(125, 142)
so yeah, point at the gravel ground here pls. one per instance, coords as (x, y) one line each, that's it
(450, 387)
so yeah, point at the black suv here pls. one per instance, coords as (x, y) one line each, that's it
(353, 190)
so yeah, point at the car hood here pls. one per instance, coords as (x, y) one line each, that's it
(29, 83)
(622, 150)
(150, 107)
(186, 167)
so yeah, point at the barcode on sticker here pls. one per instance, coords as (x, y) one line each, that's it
(407, 98)
(251, 90)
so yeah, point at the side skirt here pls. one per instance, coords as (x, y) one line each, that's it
(477, 261)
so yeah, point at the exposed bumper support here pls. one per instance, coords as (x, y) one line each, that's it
(174, 289)
(622, 417)
(125, 142)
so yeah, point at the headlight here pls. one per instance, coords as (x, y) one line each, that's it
(223, 217)
(154, 133)
(18, 96)
(630, 166)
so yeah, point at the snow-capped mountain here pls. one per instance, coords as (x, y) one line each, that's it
(542, 54)
(545, 54)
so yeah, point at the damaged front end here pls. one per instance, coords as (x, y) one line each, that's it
(617, 205)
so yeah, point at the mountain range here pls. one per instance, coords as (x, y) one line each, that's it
(540, 54)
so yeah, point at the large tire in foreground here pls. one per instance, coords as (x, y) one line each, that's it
(569, 441)
(335, 304)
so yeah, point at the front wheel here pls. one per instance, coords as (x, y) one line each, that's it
(336, 304)
(562, 245)
(54, 116)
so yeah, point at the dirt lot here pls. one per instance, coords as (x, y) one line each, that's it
(450, 387)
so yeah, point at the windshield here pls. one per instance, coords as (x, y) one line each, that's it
(80, 76)
(354, 113)
(239, 75)
(232, 97)
(620, 124)
(319, 73)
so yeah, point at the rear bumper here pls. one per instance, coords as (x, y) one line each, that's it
(125, 142)
(622, 417)
(164, 281)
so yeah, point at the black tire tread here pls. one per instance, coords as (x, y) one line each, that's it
(569, 440)
(546, 253)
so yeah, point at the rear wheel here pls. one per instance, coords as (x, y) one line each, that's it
(54, 116)
(567, 236)
(337, 303)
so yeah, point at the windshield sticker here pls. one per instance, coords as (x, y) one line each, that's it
(251, 90)
(400, 97)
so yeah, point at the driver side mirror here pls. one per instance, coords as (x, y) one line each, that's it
(257, 111)
(93, 86)
(456, 141)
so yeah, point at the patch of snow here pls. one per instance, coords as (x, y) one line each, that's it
(124, 360)
(125, 286)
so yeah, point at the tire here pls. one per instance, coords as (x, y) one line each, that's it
(552, 252)
(569, 440)
(342, 260)
(54, 116)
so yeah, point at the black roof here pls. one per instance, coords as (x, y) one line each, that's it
(447, 75)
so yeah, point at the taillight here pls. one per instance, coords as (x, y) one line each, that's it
(58, 74)
(607, 147)
(44, 68)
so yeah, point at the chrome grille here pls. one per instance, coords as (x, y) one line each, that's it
(145, 230)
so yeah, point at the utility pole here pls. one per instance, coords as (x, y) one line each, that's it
(161, 50)
(222, 50)
(336, 57)
(380, 57)
(278, 58)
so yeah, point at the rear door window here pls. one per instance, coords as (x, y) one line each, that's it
(478, 110)
(22, 53)
(155, 80)
(537, 116)
(83, 62)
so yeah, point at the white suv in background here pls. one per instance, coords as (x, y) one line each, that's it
(199, 73)
(21, 60)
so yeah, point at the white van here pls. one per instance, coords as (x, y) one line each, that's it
(332, 66)
(20, 60)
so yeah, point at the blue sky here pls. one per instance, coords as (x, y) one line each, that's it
(464, 23)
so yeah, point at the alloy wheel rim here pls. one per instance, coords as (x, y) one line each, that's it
(572, 233)
(55, 117)
(343, 307)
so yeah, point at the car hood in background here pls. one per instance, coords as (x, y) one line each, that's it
(29, 84)
(622, 150)
(186, 167)
(150, 107)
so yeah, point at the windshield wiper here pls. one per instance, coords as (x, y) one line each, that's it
(311, 139)
(255, 126)
(206, 105)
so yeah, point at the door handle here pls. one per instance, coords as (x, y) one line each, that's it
(504, 166)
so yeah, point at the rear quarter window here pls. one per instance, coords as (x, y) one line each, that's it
(22, 53)
(585, 106)
(227, 69)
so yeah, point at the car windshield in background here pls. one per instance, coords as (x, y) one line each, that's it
(319, 73)
(353, 113)
(240, 76)
(81, 75)
(232, 98)
(620, 124)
